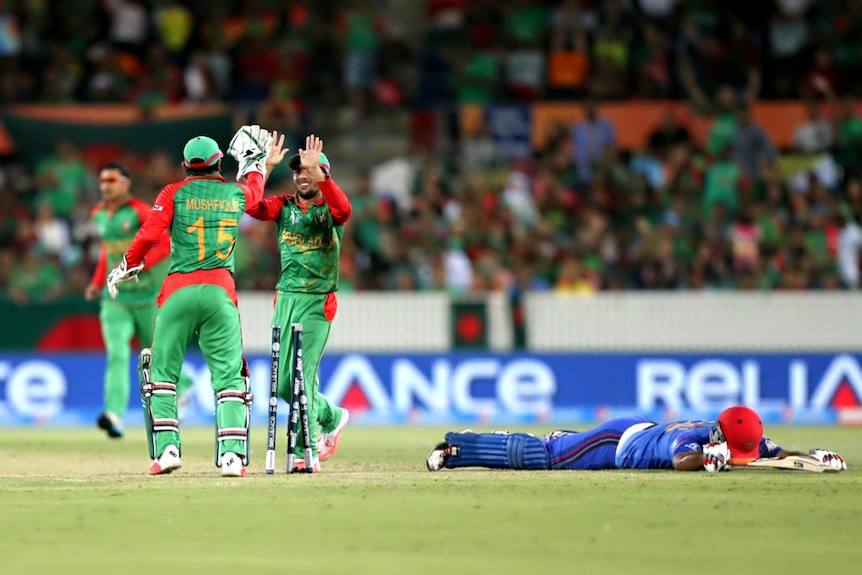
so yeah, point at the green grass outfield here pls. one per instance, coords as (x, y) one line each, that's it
(73, 502)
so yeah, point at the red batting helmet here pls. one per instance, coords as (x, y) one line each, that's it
(743, 431)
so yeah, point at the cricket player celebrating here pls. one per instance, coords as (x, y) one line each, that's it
(202, 213)
(310, 225)
(117, 218)
(624, 443)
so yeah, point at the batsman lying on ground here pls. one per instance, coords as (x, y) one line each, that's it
(736, 437)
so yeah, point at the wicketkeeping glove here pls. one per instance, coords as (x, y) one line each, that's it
(716, 456)
(249, 147)
(830, 458)
(122, 273)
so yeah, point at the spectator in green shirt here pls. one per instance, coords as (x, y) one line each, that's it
(526, 22)
(848, 149)
(723, 128)
(477, 78)
(722, 184)
(62, 177)
(360, 30)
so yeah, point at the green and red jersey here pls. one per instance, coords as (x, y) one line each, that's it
(202, 213)
(309, 238)
(117, 228)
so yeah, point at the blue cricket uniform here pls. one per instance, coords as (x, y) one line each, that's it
(656, 446)
(593, 449)
(624, 443)
(652, 447)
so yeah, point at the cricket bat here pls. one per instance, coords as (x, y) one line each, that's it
(792, 462)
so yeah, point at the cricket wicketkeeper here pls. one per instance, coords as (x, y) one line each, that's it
(199, 294)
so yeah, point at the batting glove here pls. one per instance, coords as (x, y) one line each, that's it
(716, 457)
(830, 458)
(249, 147)
(122, 273)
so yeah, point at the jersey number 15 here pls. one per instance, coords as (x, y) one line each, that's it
(223, 236)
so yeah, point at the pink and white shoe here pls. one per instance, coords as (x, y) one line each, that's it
(327, 443)
(167, 462)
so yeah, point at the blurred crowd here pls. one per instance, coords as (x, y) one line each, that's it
(579, 214)
(482, 51)
(278, 53)
(264, 56)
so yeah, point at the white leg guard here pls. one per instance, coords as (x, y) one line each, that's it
(235, 433)
(167, 423)
(148, 389)
(145, 388)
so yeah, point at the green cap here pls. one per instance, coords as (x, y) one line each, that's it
(201, 152)
(294, 162)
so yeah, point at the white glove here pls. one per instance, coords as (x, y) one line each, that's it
(716, 456)
(122, 273)
(249, 147)
(830, 458)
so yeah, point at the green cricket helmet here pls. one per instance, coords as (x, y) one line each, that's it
(201, 152)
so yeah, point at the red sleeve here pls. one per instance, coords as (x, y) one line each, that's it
(268, 209)
(339, 205)
(253, 190)
(101, 273)
(157, 222)
(142, 208)
(160, 251)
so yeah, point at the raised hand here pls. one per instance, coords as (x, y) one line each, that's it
(277, 152)
(309, 157)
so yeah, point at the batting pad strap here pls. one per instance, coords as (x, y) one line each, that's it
(514, 451)
(227, 395)
(159, 388)
(228, 433)
(166, 425)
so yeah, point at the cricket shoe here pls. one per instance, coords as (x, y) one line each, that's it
(167, 462)
(111, 423)
(299, 466)
(327, 442)
(438, 456)
(231, 465)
